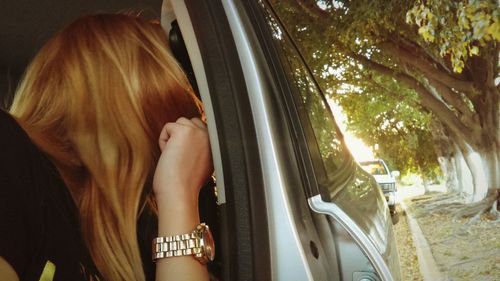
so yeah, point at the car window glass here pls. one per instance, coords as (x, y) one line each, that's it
(310, 98)
(374, 168)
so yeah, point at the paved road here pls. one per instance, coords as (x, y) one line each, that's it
(415, 190)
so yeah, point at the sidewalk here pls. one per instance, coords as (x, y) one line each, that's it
(428, 267)
(451, 250)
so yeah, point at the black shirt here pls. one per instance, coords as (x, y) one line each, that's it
(38, 217)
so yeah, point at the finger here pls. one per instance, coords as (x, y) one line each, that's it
(185, 121)
(200, 124)
(165, 133)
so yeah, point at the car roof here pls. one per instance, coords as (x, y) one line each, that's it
(25, 25)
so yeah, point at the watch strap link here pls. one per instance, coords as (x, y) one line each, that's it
(176, 246)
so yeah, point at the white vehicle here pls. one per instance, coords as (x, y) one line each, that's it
(385, 179)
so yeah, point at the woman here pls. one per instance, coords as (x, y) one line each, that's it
(111, 139)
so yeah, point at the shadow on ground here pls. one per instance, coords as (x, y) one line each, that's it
(464, 249)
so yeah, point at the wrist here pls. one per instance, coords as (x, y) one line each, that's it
(176, 215)
(176, 195)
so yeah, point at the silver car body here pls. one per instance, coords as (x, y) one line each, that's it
(351, 230)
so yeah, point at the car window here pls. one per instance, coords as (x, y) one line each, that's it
(374, 168)
(309, 99)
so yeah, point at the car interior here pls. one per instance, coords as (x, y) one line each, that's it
(23, 31)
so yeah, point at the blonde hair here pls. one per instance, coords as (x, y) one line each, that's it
(94, 100)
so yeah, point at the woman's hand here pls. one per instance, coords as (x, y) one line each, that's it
(184, 166)
(185, 162)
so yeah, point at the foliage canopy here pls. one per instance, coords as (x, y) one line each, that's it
(396, 65)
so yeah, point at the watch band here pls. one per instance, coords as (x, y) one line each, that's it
(176, 246)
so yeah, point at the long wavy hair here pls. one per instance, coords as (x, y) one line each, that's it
(95, 99)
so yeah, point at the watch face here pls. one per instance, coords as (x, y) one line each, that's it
(208, 244)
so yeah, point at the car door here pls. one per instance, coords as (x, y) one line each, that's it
(293, 205)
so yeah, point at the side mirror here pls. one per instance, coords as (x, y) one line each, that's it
(395, 174)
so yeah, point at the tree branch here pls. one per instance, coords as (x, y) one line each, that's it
(468, 118)
(412, 46)
(312, 9)
(466, 114)
(428, 100)
(423, 65)
(451, 97)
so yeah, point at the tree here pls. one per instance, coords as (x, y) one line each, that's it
(446, 52)
(392, 120)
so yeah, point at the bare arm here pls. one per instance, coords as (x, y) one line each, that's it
(7, 273)
(178, 220)
(184, 165)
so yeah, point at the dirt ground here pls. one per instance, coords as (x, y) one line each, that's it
(407, 257)
(463, 249)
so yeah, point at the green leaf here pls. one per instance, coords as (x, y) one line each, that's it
(474, 50)
(494, 30)
(426, 33)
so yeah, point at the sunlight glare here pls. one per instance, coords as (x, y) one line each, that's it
(359, 150)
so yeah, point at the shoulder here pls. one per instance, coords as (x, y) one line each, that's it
(24, 191)
(17, 196)
(8, 125)
(18, 160)
(16, 151)
(13, 138)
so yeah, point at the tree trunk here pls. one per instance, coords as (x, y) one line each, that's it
(464, 176)
(484, 71)
(479, 172)
(491, 163)
(446, 151)
(448, 167)
(425, 183)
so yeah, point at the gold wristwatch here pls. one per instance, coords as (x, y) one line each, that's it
(199, 243)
